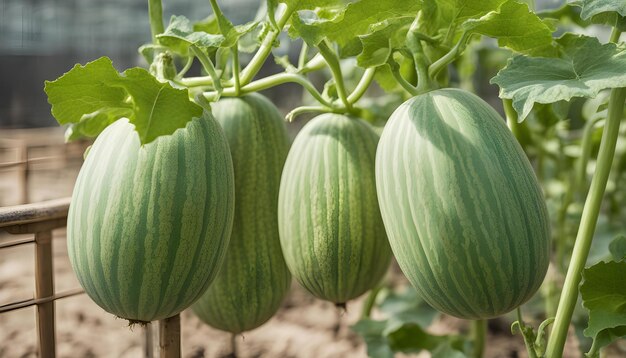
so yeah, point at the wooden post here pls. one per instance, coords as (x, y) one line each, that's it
(169, 337)
(44, 287)
(148, 341)
(23, 157)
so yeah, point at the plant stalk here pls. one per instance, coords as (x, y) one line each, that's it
(591, 210)
(401, 81)
(208, 66)
(413, 42)
(581, 168)
(272, 81)
(368, 305)
(236, 68)
(362, 86)
(441, 63)
(530, 345)
(479, 334)
(303, 55)
(155, 10)
(333, 63)
(265, 49)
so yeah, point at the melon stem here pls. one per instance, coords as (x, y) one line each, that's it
(479, 334)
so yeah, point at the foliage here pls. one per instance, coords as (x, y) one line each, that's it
(562, 95)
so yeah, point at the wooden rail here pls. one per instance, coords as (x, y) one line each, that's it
(41, 219)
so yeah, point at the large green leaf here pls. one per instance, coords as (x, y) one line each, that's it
(180, 34)
(354, 19)
(445, 16)
(386, 36)
(604, 295)
(517, 28)
(372, 333)
(594, 7)
(95, 95)
(617, 247)
(584, 68)
(297, 5)
(86, 89)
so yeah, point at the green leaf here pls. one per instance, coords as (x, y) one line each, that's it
(87, 89)
(408, 306)
(180, 34)
(445, 350)
(92, 124)
(352, 20)
(517, 28)
(438, 17)
(93, 96)
(386, 36)
(604, 296)
(208, 24)
(594, 7)
(372, 333)
(411, 338)
(159, 109)
(584, 68)
(297, 5)
(618, 248)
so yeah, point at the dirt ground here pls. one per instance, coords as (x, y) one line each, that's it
(304, 327)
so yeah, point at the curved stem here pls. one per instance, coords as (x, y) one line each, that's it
(368, 305)
(402, 82)
(303, 55)
(155, 10)
(441, 63)
(362, 86)
(265, 49)
(185, 68)
(208, 66)
(306, 109)
(314, 64)
(479, 333)
(569, 294)
(272, 81)
(414, 43)
(333, 63)
(594, 351)
(530, 345)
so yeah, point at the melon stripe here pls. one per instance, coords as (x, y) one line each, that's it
(254, 278)
(464, 213)
(148, 225)
(330, 226)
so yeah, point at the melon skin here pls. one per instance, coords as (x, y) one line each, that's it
(331, 230)
(254, 278)
(148, 226)
(464, 212)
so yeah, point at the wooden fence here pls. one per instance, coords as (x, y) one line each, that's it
(40, 220)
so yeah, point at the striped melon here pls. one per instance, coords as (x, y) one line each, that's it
(330, 226)
(463, 210)
(254, 278)
(148, 226)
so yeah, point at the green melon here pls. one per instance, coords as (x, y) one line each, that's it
(330, 226)
(148, 226)
(464, 213)
(254, 277)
